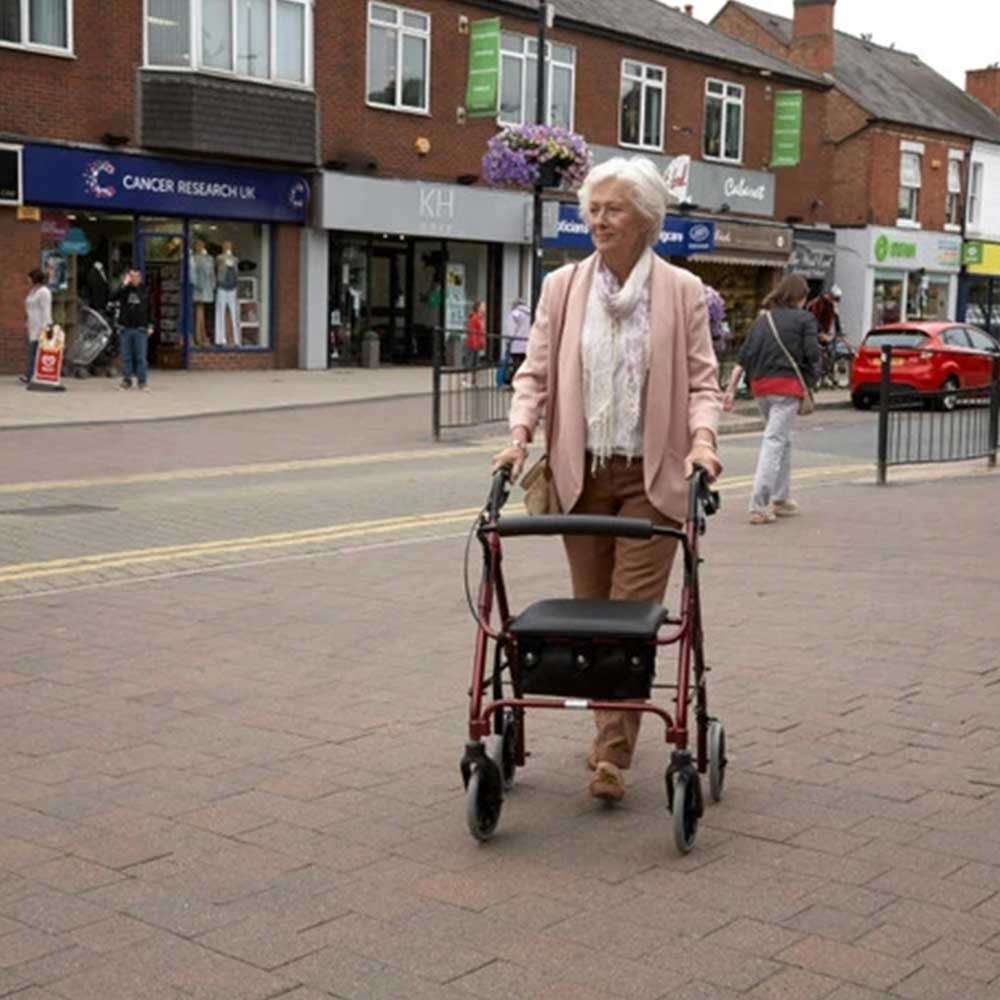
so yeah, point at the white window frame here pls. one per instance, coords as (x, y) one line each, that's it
(916, 149)
(529, 63)
(646, 83)
(401, 29)
(976, 171)
(195, 44)
(726, 98)
(953, 196)
(43, 50)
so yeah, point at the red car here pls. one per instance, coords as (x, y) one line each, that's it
(926, 357)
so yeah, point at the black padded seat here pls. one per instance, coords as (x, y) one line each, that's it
(570, 619)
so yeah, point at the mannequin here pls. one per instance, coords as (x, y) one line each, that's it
(227, 327)
(202, 278)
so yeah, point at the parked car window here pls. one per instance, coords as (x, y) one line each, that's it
(955, 338)
(896, 338)
(982, 341)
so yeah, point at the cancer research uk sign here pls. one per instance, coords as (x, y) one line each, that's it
(679, 237)
(83, 178)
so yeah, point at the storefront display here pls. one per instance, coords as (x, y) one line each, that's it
(202, 235)
(981, 285)
(895, 275)
(408, 258)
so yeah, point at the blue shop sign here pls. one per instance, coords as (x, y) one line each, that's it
(679, 237)
(84, 178)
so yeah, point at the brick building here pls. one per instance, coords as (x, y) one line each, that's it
(898, 137)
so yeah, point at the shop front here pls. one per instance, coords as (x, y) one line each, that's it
(980, 291)
(409, 257)
(204, 236)
(894, 275)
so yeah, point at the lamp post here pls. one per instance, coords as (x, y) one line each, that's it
(545, 11)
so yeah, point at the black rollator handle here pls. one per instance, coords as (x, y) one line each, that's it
(499, 491)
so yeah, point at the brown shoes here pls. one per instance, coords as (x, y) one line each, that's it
(608, 782)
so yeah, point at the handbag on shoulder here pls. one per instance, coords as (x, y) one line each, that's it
(540, 495)
(807, 404)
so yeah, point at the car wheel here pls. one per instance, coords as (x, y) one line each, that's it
(861, 401)
(948, 399)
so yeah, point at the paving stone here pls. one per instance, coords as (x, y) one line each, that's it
(831, 923)
(794, 984)
(846, 962)
(903, 942)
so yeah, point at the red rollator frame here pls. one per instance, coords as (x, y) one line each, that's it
(496, 744)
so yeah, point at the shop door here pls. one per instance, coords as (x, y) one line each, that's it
(389, 307)
(163, 258)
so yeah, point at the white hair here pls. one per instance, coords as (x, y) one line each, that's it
(648, 189)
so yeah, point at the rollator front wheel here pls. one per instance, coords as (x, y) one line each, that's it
(483, 799)
(686, 808)
(716, 759)
(503, 749)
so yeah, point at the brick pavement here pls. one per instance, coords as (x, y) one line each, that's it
(266, 803)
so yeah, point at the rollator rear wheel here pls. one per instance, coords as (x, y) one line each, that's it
(716, 759)
(686, 809)
(483, 799)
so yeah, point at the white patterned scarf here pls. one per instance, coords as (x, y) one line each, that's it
(615, 360)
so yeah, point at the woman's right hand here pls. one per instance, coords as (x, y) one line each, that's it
(728, 401)
(514, 456)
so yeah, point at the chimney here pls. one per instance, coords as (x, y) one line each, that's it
(812, 35)
(984, 85)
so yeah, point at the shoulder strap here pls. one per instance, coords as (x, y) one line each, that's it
(788, 354)
(553, 374)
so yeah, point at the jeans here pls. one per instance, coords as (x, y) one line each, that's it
(772, 480)
(133, 345)
(32, 352)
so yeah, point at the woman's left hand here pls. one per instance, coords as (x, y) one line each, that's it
(707, 457)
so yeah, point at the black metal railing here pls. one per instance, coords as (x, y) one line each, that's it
(470, 389)
(954, 423)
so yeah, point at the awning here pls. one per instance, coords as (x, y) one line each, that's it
(739, 261)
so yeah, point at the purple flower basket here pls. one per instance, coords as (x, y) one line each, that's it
(523, 156)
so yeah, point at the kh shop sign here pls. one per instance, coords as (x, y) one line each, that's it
(56, 175)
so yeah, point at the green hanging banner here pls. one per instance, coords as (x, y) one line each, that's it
(787, 143)
(483, 90)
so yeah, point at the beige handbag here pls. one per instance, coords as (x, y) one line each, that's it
(807, 404)
(540, 495)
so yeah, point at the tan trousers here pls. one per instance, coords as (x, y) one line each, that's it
(619, 569)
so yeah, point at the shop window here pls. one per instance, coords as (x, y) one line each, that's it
(909, 187)
(887, 306)
(41, 24)
(643, 90)
(926, 297)
(975, 194)
(519, 81)
(723, 121)
(229, 274)
(267, 40)
(953, 201)
(399, 58)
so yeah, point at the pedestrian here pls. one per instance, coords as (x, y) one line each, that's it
(781, 357)
(475, 339)
(636, 405)
(38, 313)
(135, 327)
(518, 327)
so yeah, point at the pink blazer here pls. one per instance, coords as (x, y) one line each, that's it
(682, 386)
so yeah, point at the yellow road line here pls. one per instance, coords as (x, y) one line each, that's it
(326, 534)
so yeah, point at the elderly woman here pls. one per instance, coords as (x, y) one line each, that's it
(637, 405)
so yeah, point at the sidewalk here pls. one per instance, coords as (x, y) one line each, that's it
(175, 395)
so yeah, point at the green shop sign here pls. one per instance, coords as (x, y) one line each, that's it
(973, 253)
(786, 144)
(887, 248)
(482, 91)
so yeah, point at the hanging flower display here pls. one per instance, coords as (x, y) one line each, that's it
(716, 312)
(521, 156)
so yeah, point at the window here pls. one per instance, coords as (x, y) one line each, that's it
(981, 342)
(956, 338)
(975, 194)
(909, 187)
(642, 103)
(42, 24)
(399, 58)
(268, 40)
(519, 81)
(723, 121)
(953, 201)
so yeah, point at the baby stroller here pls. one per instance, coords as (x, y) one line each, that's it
(587, 654)
(94, 347)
